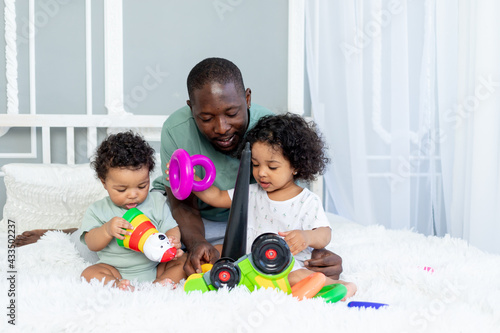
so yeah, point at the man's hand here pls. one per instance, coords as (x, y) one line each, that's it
(326, 262)
(200, 253)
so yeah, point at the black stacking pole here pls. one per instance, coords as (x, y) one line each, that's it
(235, 240)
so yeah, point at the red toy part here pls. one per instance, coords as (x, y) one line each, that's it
(145, 238)
(169, 254)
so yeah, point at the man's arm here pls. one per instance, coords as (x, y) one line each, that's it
(188, 217)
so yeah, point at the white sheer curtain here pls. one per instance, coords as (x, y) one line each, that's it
(407, 95)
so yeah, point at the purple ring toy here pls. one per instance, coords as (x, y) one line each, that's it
(181, 173)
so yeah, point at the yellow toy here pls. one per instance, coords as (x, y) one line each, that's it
(146, 238)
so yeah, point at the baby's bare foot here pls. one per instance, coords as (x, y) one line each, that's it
(166, 282)
(32, 236)
(351, 290)
(124, 284)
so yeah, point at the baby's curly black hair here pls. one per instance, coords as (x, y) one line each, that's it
(299, 141)
(123, 150)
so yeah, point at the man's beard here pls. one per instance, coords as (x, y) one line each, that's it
(231, 153)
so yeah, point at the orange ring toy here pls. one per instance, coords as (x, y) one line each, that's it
(309, 286)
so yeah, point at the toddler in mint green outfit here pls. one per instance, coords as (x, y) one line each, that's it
(123, 163)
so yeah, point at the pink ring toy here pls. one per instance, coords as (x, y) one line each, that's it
(181, 173)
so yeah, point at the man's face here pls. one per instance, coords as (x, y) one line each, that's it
(220, 112)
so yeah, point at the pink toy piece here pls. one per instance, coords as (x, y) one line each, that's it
(429, 269)
(181, 173)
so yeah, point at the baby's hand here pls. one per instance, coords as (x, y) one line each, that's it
(167, 173)
(178, 254)
(114, 227)
(174, 241)
(296, 239)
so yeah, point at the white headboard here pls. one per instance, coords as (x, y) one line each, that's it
(30, 114)
(116, 118)
(148, 125)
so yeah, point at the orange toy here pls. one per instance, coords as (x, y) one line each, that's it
(309, 286)
(146, 239)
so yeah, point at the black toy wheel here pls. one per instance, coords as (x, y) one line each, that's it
(224, 273)
(270, 253)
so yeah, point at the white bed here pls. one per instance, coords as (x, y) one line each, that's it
(461, 294)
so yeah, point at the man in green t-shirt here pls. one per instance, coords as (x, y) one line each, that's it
(214, 122)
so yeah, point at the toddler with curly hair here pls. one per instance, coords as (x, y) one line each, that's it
(123, 163)
(285, 149)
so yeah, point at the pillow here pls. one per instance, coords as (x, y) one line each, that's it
(45, 196)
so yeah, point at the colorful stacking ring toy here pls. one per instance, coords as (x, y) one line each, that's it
(332, 293)
(309, 286)
(181, 173)
(143, 229)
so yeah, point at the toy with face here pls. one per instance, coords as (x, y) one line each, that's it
(158, 248)
(146, 238)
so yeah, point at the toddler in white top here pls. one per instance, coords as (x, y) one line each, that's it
(285, 149)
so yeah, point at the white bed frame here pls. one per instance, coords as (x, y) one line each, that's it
(151, 124)
(117, 118)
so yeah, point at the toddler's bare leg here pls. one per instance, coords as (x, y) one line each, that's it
(32, 236)
(109, 274)
(171, 271)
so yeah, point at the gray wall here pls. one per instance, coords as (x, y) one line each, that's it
(165, 35)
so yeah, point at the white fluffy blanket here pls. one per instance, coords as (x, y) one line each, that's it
(461, 295)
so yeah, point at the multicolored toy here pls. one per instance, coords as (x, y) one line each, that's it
(235, 238)
(146, 238)
(269, 262)
(267, 266)
(181, 177)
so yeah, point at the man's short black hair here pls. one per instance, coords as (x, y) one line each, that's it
(216, 70)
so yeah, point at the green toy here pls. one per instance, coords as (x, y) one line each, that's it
(267, 266)
(269, 261)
